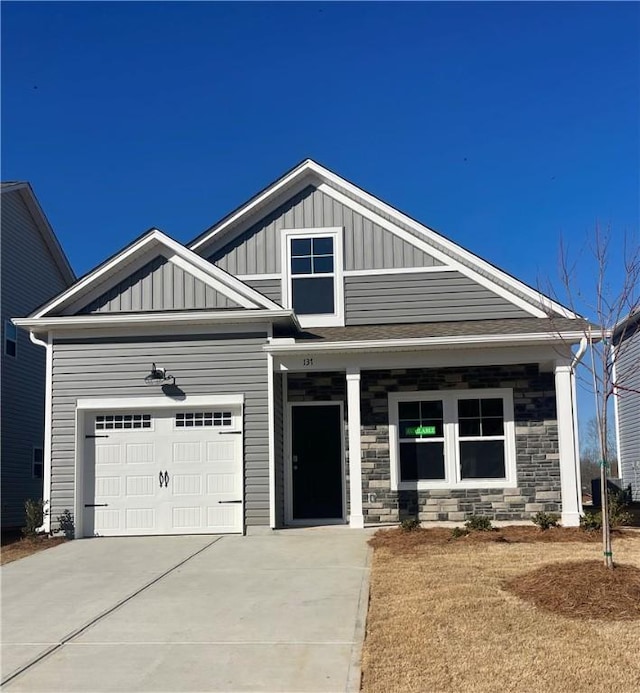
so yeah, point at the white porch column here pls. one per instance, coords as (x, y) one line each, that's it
(356, 518)
(569, 463)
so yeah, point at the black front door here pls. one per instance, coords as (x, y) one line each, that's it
(316, 461)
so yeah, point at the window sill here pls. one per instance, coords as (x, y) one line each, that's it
(320, 320)
(455, 485)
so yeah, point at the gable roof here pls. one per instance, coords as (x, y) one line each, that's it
(150, 244)
(24, 189)
(424, 238)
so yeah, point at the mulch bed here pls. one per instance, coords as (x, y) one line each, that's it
(402, 541)
(20, 548)
(582, 589)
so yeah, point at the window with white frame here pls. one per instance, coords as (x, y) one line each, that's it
(312, 275)
(445, 439)
(10, 339)
(37, 466)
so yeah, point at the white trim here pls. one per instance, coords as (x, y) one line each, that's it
(48, 431)
(213, 276)
(88, 405)
(356, 517)
(451, 437)
(272, 443)
(451, 262)
(433, 236)
(569, 464)
(616, 410)
(469, 341)
(288, 505)
(139, 319)
(213, 282)
(336, 319)
(258, 277)
(158, 402)
(255, 203)
(397, 270)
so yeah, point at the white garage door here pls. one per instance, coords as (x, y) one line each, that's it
(163, 472)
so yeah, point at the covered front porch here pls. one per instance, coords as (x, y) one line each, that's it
(335, 456)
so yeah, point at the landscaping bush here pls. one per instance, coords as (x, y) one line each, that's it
(545, 520)
(34, 513)
(591, 522)
(410, 524)
(479, 523)
(458, 532)
(618, 515)
(66, 524)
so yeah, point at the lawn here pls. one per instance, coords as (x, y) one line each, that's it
(441, 619)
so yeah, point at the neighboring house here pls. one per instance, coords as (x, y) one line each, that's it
(627, 400)
(314, 357)
(34, 268)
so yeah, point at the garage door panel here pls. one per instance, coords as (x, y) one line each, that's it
(165, 472)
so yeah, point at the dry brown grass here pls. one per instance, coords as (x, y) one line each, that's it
(440, 620)
(25, 547)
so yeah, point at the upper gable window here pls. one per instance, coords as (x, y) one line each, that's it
(312, 276)
(10, 339)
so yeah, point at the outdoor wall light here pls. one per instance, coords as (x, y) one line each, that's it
(159, 376)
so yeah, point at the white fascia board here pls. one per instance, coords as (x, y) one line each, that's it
(137, 319)
(426, 247)
(222, 281)
(272, 191)
(213, 276)
(432, 235)
(467, 341)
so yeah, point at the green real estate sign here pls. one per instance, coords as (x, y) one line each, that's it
(421, 431)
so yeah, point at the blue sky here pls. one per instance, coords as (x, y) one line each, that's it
(502, 125)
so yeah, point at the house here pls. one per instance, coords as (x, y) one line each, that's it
(34, 268)
(315, 357)
(626, 342)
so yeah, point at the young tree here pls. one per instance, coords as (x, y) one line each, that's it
(614, 295)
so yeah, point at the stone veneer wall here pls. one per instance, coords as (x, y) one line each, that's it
(323, 387)
(538, 463)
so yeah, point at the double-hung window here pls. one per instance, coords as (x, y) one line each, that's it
(448, 439)
(312, 276)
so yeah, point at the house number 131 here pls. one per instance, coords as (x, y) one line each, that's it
(307, 362)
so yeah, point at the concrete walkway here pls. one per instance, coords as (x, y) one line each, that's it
(279, 612)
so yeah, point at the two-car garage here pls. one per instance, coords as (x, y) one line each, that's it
(160, 470)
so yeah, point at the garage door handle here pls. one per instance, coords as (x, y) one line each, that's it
(238, 501)
(166, 479)
(161, 478)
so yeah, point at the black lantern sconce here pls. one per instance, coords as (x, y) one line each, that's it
(159, 376)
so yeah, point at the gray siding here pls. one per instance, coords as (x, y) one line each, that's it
(221, 365)
(159, 285)
(271, 288)
(418, 297)
(278, 409)
(628, 374)
(30, 277)
(366, 245)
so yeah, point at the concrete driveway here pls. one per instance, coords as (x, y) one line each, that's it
(279, 612)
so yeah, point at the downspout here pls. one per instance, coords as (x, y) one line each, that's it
(46, 476)
(582, 349)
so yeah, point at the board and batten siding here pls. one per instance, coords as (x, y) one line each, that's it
(30, 277)
(220, 364)
(366, 245)
(422, 297)
(628, 374)
(159, 285)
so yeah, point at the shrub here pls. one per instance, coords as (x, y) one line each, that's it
(617, 513)
(458, 532)
(66, 524)
(479, 523)
(591, 522)
(410, 524)
(34, 513)
(545, 520)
